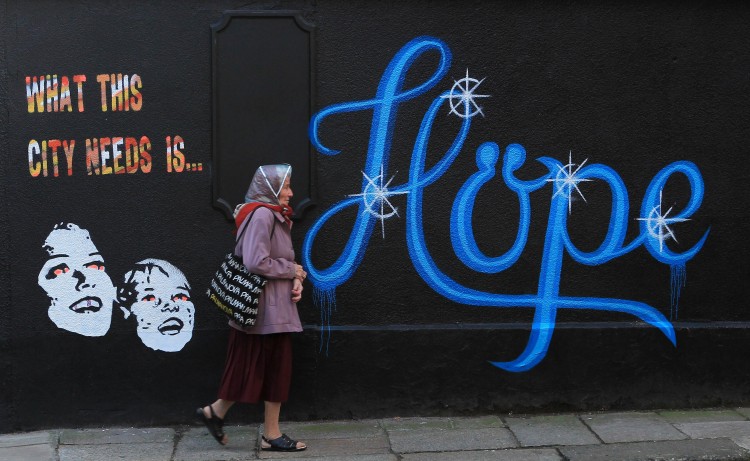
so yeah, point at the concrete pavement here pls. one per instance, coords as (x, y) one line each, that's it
(715, 434)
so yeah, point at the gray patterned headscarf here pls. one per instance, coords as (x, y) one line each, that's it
(267, 183)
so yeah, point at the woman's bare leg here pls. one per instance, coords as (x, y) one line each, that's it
(271, 428)
(221, 407)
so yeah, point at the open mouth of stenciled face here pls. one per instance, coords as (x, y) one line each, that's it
(87, 304)
(171, 326)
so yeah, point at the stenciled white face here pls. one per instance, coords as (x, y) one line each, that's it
(162, 306)
(80, 291)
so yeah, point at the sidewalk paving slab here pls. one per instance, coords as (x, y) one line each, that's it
(29, 438)
(336, 447)
(701, 416)
(40, 452)
(117, 451)
(631, 427)
(477, 422)
(715, 429)
(539, 431)
(380, 457)
(37, 446)
(517, 454)
(196, 444)
(431, 440)
(117, 436)
(122, 444)
(669, 450)
(333, 430)
(410, 424)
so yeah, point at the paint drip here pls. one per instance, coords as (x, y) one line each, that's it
(677, 283)
(325, 300)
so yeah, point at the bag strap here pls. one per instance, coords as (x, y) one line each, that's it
(244, 225)
(247, 221)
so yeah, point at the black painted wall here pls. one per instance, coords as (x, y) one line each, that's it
(633, 86)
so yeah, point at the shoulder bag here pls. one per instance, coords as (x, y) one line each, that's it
(234, 290)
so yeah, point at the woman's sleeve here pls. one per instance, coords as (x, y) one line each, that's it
(256, 248)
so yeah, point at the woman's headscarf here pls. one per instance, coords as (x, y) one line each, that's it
(267, 183)
(264, 190)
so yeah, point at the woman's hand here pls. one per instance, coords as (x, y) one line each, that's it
(299, 273)
(297, 290)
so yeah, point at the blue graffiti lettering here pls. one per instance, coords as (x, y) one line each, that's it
(654, 224)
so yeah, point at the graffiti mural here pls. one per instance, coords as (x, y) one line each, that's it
(83, 297)
(562, 181)
(158, 295)
(81, 294)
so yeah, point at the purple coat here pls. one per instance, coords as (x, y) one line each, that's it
(272, 257)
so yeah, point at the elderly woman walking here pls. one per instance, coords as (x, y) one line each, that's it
(259, 358)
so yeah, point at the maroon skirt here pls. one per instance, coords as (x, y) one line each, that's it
(258, 368)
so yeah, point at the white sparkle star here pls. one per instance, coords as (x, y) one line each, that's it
(658, 224)
(567, 180)
(375, 198)
(462, 93)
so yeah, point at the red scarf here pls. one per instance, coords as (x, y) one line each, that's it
(286, 212)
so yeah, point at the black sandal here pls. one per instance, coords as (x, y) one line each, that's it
(214, 424)
(283, 443)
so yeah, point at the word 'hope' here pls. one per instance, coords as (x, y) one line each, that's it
(653, 224)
